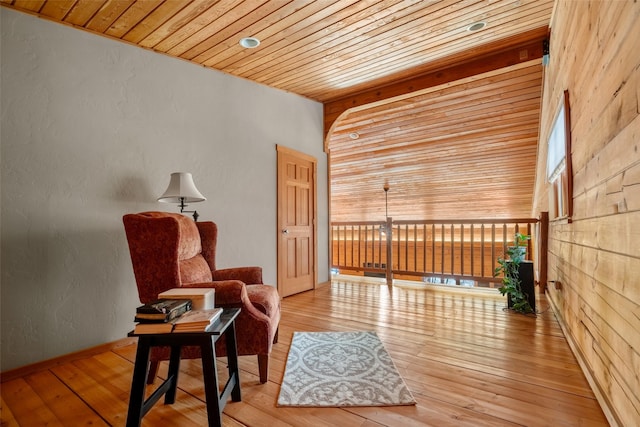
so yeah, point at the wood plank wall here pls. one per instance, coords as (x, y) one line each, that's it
(595, 54)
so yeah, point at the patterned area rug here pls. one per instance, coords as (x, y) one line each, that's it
(332, 369)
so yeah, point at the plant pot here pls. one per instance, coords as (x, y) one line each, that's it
(525, 272)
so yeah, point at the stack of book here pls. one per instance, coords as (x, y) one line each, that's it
(197, 320)
(159, 316)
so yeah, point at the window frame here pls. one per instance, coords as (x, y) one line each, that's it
(560, 179)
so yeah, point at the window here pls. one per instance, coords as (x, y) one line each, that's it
(559, 174)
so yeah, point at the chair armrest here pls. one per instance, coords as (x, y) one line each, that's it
(248, 275)
(228, 293)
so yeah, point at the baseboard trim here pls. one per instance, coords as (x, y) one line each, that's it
(604, 403)
(56, 361)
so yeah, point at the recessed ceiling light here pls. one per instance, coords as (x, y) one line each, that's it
(354, 135)
(249, 42)
(476, 26)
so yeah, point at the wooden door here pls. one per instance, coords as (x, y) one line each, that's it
(296, 222)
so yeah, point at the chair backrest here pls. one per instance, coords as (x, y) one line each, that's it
(167, 251)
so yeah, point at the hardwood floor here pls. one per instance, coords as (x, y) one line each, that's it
(467, 361)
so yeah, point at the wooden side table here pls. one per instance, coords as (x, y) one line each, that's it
(206, 340)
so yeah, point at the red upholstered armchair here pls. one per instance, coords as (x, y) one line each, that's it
(170, 251)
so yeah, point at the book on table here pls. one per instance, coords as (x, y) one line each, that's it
(197, 320)
(154, 327)
(162, 310)
(201, 298)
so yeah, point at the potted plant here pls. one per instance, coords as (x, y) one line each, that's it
(509, 267)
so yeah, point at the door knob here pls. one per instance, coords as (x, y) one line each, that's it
(285, 231)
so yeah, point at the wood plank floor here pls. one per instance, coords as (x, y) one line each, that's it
(467, 361)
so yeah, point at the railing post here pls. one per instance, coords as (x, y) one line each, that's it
(543, 244)
(389, 234)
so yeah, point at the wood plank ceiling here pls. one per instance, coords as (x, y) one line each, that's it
(444, 115)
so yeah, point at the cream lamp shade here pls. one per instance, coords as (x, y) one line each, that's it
(182, 190)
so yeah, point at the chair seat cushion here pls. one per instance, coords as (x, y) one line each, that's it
(265, 298)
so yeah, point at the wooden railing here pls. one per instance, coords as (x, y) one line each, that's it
(463, 252)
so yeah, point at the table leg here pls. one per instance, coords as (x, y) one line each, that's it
(232, 360)
(211, 390)
(172, 375)
(140, 368)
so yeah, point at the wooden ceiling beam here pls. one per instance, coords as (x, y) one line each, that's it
(496, 56)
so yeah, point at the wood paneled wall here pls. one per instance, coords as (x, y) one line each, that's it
(595, 55)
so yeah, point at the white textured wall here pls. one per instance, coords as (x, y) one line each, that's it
(91, 130)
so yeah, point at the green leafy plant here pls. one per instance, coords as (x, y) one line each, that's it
(511, 283)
